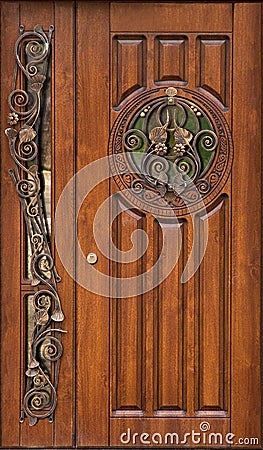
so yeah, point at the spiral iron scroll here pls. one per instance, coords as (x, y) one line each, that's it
(32, 51)
(174, 143)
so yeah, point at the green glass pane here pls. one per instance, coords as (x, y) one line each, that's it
(183, 115)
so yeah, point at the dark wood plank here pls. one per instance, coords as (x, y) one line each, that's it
(34, 12)
(64, 166)
(10, 247)
(168, 17)
(92, 137)
(246, 250)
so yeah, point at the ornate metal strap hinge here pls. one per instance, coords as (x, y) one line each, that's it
(32, 51)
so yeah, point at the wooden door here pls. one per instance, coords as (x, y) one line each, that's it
(178, 365)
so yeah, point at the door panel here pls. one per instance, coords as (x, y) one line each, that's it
(147, 369)
(214, 50)
(128, 336)
(212, 300)
(169, 335)
(187, 348)
(127, 49)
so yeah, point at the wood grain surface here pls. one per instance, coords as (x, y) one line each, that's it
(180, 354)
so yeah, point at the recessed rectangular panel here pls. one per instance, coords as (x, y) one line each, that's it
(212, 311)
(213, 66)
(128, 66)
(169, 334)
(128, 334)
(171, 58)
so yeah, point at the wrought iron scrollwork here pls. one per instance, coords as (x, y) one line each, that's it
(167, 144)
(32, 51)
(172, 146)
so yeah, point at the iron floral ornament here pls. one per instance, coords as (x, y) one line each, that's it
(173, 150)
(32, 51)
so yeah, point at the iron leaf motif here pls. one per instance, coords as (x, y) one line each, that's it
(196, 144)
(180, 148)
(40, 397)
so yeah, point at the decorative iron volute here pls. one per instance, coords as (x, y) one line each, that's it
(32, 52)
(172, 151)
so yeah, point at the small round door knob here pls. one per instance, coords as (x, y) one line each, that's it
(92, 258)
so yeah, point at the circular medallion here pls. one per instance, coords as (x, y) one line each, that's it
(171, 151)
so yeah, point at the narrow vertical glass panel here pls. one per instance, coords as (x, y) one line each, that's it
(43, 141)
(32, 331)
(30, 325)
(45, 149)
